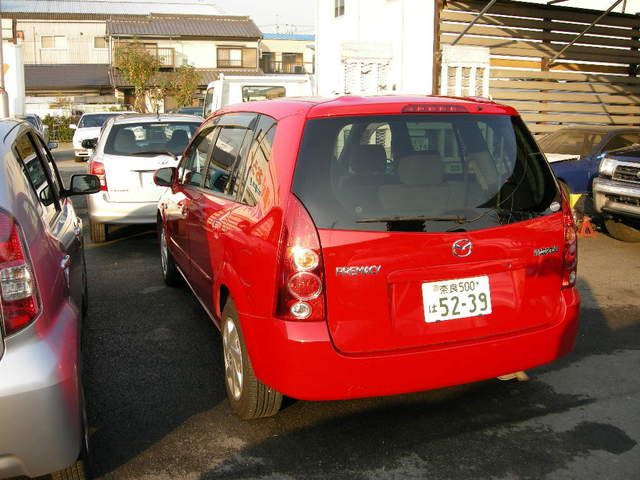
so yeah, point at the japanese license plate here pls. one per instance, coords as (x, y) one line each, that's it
(459, 298)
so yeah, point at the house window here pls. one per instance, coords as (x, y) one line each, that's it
(338, 8)
(58, 42)
(100, 42)
(292, 63)
(237, 57)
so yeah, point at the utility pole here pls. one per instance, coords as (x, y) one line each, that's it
(4, 98)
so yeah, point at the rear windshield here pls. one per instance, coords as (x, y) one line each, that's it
(95, 120)
(149, 139)
(573, 142)
(441, 172)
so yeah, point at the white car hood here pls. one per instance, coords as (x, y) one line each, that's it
(560, 157)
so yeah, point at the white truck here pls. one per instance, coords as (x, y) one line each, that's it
(236, 89)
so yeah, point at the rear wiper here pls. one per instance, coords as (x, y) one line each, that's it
(150, 152)
(419, 218)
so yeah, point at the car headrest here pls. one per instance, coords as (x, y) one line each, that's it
(125, 141)
(179, 137)
(369, 159)
(424, 168)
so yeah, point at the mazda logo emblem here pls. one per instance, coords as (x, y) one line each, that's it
(462, 248)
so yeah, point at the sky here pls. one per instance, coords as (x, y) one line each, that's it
(295, 16)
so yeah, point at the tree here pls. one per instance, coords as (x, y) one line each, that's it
(184, 84)
(138, 67)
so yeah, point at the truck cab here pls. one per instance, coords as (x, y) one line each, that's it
(228, 90)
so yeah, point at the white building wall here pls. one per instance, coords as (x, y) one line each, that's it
(394, 35)
(78, 44)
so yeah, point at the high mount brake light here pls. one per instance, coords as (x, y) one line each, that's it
(301, 278)
(97, 168)
(18, 290)
(434, 108)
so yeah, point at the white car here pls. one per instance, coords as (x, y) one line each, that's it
(125, 157)
(89, 126)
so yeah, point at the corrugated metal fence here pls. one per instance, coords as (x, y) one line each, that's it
(592, 82)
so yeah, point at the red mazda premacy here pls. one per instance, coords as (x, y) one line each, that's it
(358, 247)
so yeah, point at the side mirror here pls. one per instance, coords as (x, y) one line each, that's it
(83, 184)
(89, 143)
(52, 145)
(73, 126)
(165, 177)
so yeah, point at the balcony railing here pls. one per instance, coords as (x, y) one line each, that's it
(166, 56)
(274, 66)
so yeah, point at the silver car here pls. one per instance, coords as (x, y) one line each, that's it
(125, 157)
(42, 300)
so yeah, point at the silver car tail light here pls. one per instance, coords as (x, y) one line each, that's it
(18, 290)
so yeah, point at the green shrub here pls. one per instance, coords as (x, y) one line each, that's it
(59, 130)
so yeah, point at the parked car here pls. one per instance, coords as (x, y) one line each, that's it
(575, 153)
(616, 193)
(359, 247)
(89, 126)
(190, 111)
(43, 287)
(37, 123)
(129, 151)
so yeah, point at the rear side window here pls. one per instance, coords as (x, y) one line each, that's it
(225, 153)
(195, 161)
(36, 172)
(256, 185)
(421, 172)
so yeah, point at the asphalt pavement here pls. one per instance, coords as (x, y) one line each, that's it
(157, 408)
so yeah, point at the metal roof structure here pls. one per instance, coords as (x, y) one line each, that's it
(66, 77)
(207, 75)
(185, 26)
(95, 8)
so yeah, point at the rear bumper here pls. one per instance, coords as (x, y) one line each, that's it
(40, 427)
(298, 358)
(101, 210)
(611, 196)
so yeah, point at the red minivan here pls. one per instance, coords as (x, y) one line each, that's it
(356, 247)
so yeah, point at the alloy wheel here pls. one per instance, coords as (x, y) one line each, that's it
(232, 358)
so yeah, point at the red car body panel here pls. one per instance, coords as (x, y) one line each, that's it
(374, 340)
(299, 359)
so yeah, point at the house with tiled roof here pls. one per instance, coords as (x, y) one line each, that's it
(68, 47)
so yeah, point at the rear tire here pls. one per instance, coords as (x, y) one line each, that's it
(98, 231)
(170, 272)
(249, 397)
(621, 231)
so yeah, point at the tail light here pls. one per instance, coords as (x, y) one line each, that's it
(18, 291)
(570, 252)
(97, 168)
(301, 278)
